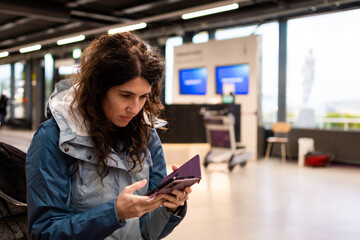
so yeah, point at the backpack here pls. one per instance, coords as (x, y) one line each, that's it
(13, 207)
(12, 172)
(13, 204)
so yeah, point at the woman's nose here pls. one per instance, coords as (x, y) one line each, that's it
(134, 106)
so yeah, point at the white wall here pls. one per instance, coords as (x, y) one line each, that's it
(244, 50)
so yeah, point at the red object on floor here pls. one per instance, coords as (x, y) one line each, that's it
(316, 159)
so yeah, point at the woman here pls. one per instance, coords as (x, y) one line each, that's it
(90, 165)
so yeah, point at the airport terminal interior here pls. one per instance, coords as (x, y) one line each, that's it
(263, 91)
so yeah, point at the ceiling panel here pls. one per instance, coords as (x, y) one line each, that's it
(24, 22)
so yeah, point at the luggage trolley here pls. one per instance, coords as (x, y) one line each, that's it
(220, 134)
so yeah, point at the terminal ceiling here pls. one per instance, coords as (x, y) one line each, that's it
(24, 23)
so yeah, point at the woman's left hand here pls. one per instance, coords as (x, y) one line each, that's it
(177, 198)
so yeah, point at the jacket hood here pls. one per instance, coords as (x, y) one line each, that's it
(60, 103)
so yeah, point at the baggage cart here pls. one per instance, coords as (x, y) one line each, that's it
(220, 134)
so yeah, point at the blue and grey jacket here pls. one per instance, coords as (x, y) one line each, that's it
(66, 199)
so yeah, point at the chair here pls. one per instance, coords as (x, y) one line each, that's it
(281, 130)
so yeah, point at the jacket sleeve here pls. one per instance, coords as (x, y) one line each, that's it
(165, 221)
(48, 189)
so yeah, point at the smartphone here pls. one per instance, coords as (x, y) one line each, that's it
(179, 183)
(185, 176)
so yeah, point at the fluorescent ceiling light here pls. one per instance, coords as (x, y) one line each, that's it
(30, 49)
(4, 54)
(71, 40)
(210, 11)
(76, 53)
(128, 28)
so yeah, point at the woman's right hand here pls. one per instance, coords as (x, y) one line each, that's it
(129, 205)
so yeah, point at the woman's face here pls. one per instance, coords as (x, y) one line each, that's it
(123, 102)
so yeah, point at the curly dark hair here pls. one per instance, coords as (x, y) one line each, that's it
(109, 61)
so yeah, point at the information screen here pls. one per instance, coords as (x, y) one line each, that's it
(193, 81)
(233, 74)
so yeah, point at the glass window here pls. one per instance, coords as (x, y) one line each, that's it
(5, 85)
(5, 80)
(269, 33)
(49, 75)
(169, 66)
(323, 71)
(201, 37)
(228, 33)
(68, 70)
(19, 101)
(269, 71)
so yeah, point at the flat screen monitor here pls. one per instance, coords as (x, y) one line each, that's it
(233, 74)
(193, 81)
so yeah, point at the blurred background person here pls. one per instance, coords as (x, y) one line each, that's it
(3, 105)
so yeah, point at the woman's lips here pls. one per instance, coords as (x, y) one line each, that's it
(125, 118)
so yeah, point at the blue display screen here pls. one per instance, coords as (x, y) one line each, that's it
(233, 74)
(193, 81)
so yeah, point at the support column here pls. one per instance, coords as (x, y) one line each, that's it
(281, 115)
(27, 93)
(211, 34)
(12, 91)
(188, 37)
(39, 98)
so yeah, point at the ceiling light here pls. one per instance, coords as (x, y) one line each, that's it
(4, 54)
(210, 11)
(71, 40)
(128, 28)
(76, 53)
(30, 49)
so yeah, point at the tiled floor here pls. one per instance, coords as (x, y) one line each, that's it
(273, 201)
(263, 200)
(18, 138)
